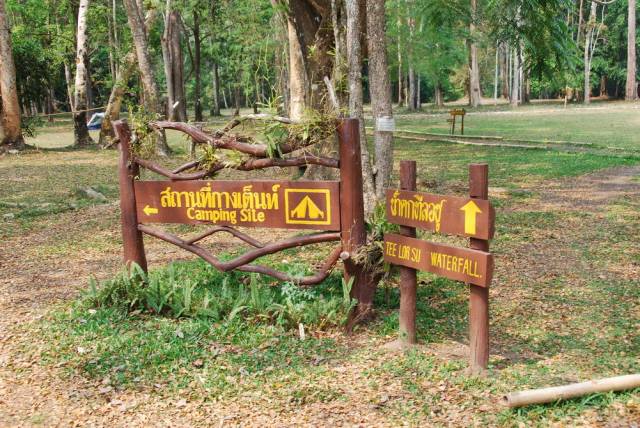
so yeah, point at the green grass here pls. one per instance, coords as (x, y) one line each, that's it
(612, 125)
(440, 163)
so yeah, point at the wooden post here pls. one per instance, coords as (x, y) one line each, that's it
(127, 171)
(462, 124)
(479, 296)
(353, 234)
(408, 276)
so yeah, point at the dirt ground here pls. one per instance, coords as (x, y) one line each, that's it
(32, 281)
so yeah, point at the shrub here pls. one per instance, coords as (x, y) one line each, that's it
(197, 290)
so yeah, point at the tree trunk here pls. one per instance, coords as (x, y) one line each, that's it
(112, 112)
(515, 76)
(236, 99)
(145, 65)
(631, 91)
(399, 42)
(504, 71)
(81, 133)
(438, 95)
(354, 78)
(215, 103)
(475, 94)
(297, 77)
(380, 89)
(165, 44)
(174, 66)
(589, 45)
(311, 20)
(10, 114)
(197, 96)
(412, 89)
(495, 79)
(69, 84)
(87, 67)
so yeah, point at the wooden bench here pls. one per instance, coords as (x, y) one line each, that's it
(452, 120)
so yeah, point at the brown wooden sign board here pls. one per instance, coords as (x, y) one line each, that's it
(268, 204)
(443, 214)
(460, 264)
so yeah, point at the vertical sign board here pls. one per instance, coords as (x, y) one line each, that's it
(469, 217)
(272, 204)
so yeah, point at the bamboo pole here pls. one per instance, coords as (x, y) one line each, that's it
(548, 395)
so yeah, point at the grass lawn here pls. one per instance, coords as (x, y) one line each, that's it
(564, 302)
(613, 125)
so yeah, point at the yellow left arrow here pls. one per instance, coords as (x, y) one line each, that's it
(150, 210)
(471, 210)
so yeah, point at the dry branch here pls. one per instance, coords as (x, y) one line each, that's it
(548, 395)
(151, 166)
(247, 257)
(317, 278)
(244, 237)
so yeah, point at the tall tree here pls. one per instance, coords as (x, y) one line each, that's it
(475, 94)
(10, 115)
(173, 65)
(81, 133)
(354, 79)
(631, 92)
(145, 65)
(380, 90)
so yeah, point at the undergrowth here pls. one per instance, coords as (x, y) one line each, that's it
(197, 290)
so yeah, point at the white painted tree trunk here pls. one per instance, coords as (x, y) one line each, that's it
(380, 89)
(81, 133)
(11, 132)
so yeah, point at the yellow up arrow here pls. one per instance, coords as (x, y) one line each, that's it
(150, 210)
(471, 210)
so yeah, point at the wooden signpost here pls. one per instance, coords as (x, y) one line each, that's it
(334, 209)
(471, 217)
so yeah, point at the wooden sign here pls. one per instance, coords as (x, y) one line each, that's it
(443, 214)
(460, 264)
(269, 204)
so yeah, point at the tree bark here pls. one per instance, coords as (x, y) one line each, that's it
(475, 94)
(354, 78)
(589, 46)
(81, 133)
(112, 112)
(631, 92)
(174, 66)
(438, 95)
(412, 89)
(145, 65)
(69, 84)
(215, 103)
(515, 76)
(10, 114)
(380, 89)
(197, 42)
(504, 70)
(297, 75)
(311, 42)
